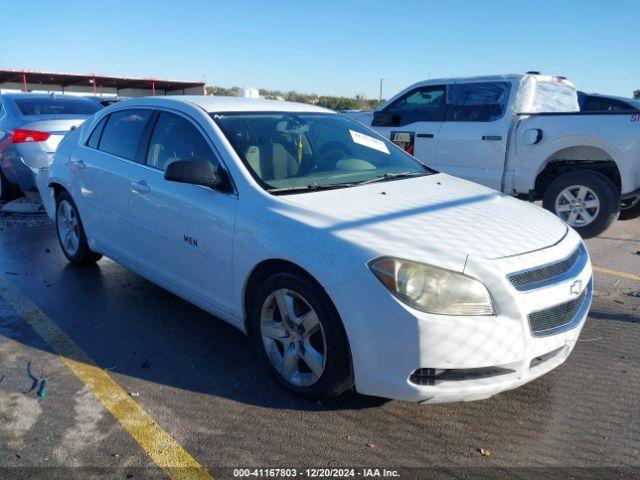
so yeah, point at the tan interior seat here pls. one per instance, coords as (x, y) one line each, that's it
(271, 161)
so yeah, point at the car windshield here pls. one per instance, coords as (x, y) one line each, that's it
(56, 105)
(288, 151)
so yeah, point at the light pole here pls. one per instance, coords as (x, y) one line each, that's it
(380, 97)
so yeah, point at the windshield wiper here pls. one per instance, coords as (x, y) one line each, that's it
(312, 187)
(393, 176)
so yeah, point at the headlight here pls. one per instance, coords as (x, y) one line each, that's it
(433, 289)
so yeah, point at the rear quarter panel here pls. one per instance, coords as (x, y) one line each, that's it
(618, 135)
(59, 172)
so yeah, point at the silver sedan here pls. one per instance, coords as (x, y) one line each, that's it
(31, 127)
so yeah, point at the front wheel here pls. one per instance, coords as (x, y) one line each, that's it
(300, 336)
(587, 201)
(71, 236)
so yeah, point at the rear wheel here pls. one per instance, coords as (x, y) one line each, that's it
(71, 236)
(587, 201)
(300, 336)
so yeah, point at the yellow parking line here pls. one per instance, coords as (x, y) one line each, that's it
(608, 271)
(158, 444)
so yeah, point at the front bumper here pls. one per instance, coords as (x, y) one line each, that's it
(390, 341)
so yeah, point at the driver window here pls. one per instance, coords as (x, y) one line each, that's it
(425, 104)
(175, 138)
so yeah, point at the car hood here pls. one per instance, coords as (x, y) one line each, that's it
(436, 218)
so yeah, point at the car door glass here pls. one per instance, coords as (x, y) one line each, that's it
(477, 102)
(94, 138)
(424, 104)
(123, 132)
(175, 138)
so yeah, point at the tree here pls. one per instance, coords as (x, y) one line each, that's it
(360, 102)
(222, 91)
(636, 94)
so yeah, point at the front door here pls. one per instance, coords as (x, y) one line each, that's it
(414, 121)
(473, 137)
(183, 233)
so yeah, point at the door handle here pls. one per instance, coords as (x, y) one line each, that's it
(425, 135)
(140, 187)
(491, 137)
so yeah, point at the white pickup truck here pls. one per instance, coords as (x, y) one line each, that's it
(522, 134)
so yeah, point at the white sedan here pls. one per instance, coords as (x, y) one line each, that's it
(348, 262)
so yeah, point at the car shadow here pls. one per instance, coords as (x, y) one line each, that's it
(131, 327)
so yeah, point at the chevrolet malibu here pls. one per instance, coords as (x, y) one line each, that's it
(347, 262)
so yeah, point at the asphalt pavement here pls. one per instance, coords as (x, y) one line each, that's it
(198, 381)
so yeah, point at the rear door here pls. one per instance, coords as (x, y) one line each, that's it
(473, 137)
(101, 178)
(183, 233)
(413, 121)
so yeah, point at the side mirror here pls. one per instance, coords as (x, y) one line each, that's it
(195, 172)
(385, 119)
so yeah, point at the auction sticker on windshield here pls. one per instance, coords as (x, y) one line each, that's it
(367, 141)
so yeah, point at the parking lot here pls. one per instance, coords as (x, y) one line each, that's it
(175, 386)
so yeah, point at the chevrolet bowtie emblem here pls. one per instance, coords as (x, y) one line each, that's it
(576, 287)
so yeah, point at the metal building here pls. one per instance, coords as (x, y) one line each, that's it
(92, 84)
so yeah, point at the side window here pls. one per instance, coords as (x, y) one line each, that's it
(477, 102)
(94, 138)
(123, 131)
(175, 138)
(424, 104)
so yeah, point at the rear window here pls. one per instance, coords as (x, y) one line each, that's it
(56, 105)
(123, 132)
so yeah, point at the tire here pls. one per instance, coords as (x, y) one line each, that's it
(331, 374)
(630, 209)
(8, 191)
(71, 235)
(596, 211)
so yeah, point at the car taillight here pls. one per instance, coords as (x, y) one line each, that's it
(24, 136)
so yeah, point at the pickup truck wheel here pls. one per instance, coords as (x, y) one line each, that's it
(71, 236)
(587, 201)
(300, 337)
(630, 209)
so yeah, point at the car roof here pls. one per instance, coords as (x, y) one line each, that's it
(214, 104)
(14, 96)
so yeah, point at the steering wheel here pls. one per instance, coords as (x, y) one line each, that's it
(330, 154)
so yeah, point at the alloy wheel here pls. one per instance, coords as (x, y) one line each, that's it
(577, 205)
(68, 228)
(293, 337)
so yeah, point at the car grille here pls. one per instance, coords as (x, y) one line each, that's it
(549, 320)
(537, 277)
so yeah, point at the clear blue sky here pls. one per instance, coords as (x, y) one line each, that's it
(325, 46)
